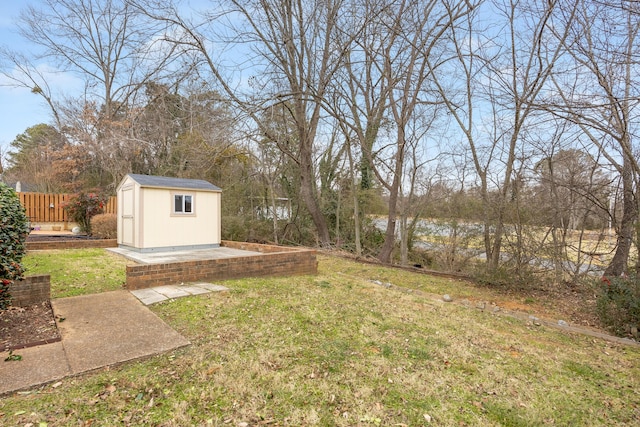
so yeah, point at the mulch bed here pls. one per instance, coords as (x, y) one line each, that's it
(22, 327)
(58, 237)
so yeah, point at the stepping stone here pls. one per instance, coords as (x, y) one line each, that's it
(148, 296)
(211, 287)
(171, 291)
(194, 290)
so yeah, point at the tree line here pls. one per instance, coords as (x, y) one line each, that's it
(519, 117)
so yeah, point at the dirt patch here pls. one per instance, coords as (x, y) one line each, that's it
(22, 327)
(573, 304)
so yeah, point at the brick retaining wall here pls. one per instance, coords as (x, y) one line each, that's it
(260, 247)
(71, 244)
(273, 261)
(30, 290)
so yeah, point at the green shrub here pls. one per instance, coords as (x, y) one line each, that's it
(422, 257)
(233, 228)
(507, 276)
(372, 238)
(104, 226)
(14, 228)
(241, 229)
(618, 304)
(83, 207)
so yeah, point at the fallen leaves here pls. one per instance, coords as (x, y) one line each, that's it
(108, 391)
(212, 370)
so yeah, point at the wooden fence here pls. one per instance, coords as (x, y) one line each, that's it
(41, 207)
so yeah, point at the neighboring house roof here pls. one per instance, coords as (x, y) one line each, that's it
(173, 183)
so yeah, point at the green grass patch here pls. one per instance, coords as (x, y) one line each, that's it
(77, 271)
(337, 349)
(583, 370)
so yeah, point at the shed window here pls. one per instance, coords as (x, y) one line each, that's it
(183, 203)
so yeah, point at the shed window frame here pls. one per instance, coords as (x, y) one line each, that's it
(187, 209)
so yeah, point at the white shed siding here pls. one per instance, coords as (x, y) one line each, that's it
(126, 212)
(146, 220)
(160, 228)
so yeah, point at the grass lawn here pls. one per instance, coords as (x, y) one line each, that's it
(78, 271)
(338, 349)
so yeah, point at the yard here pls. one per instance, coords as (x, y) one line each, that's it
(341, 348)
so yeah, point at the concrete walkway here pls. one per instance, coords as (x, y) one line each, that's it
(98, 330)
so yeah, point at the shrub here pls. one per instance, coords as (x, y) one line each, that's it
(422, 257)
(508, 275)
(618, 304)
(104, 226)
(233, 228)
(372, 238)
(243, 229)
(14, 228)
(83, 207)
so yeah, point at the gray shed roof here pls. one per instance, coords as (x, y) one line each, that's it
(168, 182)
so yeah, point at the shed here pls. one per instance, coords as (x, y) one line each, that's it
(157, 213)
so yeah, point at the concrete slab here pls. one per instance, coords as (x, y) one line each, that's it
(180, 256)
(110, 328)
(39, 365)
(99, 330)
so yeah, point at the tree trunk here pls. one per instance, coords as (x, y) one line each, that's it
(274, 216)
(404, 239)
(307, 194)
(619, 263)
(356, 201)
(390, 235)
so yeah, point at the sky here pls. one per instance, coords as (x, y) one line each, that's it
(19, 108)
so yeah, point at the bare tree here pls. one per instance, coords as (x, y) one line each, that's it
(104, 42)
(411, 206)
(571, 198)
(387, 86)
(360, 104)
(599, 91)
(290, 51)
(21, 72)
(113, 50)
(505, 73)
